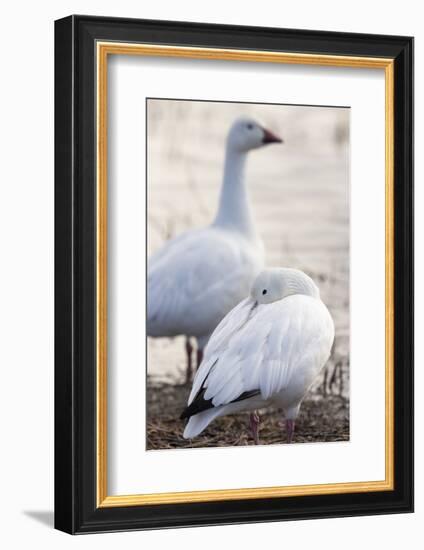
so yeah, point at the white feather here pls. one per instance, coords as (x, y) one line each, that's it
(198, 423)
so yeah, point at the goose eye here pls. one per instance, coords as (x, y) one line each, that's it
(249, 126)
(264, 291)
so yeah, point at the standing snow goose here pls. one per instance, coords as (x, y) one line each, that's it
(267, 351)
(198, 277)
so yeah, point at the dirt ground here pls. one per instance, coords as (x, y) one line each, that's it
(322, 418)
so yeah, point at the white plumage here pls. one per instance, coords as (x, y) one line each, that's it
(267, 351)
(198, 277)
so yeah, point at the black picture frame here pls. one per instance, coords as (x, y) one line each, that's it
(76, 508)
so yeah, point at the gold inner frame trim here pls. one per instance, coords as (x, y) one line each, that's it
(103, 50)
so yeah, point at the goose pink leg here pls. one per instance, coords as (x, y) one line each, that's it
(289, 429)
(254, 426)
(189, 351)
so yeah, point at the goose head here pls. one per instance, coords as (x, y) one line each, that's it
(246, 134)
(275, 284)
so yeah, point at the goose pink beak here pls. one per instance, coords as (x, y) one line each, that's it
(269, 137)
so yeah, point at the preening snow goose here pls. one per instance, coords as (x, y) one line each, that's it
(198, 277)
(267, 351)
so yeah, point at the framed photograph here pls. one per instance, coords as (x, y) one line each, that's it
(233, 266)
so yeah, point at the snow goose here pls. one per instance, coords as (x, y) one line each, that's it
(199, 276)
(267, 351)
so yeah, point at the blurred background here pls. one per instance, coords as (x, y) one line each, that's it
(300, 197)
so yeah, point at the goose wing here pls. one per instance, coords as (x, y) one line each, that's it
(258, 349)
(195, 281)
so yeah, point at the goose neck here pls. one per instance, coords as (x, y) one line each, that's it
(234, 210)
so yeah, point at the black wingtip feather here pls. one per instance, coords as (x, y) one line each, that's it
(199, 404)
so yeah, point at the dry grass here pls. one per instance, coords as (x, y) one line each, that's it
(320, 419)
